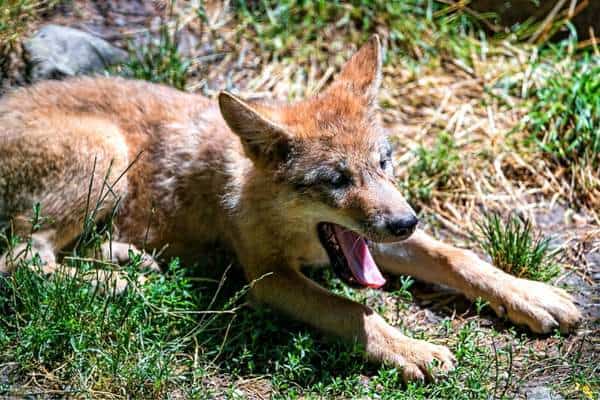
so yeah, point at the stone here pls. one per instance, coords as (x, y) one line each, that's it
(56, 51)
(542, 393)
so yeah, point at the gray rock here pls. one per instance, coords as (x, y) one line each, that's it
(594, 260)
(542, 393)
(56, 51)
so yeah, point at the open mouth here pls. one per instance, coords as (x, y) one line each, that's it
(350, 256)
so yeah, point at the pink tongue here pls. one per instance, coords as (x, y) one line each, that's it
(359, 258)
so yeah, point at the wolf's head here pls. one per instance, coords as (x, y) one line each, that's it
(330, 151)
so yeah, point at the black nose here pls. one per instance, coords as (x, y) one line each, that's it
(403, 226)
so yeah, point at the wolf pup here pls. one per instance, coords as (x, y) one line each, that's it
(284, 186)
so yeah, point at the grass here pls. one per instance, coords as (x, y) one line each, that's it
(157, 60)
(564, 118)
(432, 169)
(516, 249)
(97, 342)
(421, 28)
(175, 337)
(15, 15)
(191, 335)
(561, 122)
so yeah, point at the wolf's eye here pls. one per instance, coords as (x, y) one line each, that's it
(383, 164)
(339, 180)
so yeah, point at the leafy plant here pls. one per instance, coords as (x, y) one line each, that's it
(516, 249)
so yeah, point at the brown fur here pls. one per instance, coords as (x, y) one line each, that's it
(256, 177)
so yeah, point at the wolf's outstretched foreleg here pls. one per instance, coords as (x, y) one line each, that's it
(539, 306)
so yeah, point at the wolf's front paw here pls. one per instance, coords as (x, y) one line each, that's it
(541, 307)
(417, 359)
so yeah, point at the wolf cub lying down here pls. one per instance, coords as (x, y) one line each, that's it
(282, 185)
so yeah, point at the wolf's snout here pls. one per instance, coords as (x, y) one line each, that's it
(403, 227)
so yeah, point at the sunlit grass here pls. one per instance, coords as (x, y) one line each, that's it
(515, 248)
(420, 28)
(565, 111)
(432, 169)
(16, 14)
(157, 61)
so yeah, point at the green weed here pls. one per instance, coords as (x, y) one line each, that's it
(97, 342)
(516, 249)
(565, 113)
(157, 61)
(16, 14)
(192, 335)
(432, 170)
(15, 18)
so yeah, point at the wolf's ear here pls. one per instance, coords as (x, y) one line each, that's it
(264, 140)
(362, 73)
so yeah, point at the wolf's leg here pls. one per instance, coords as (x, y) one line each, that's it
(40, 246)
(539, 306)
(299, 297)
(76, 170)
(118, 253)
(114, 280)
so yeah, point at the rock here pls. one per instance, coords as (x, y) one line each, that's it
(594, 260)
(542, 393)
(56, 51)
